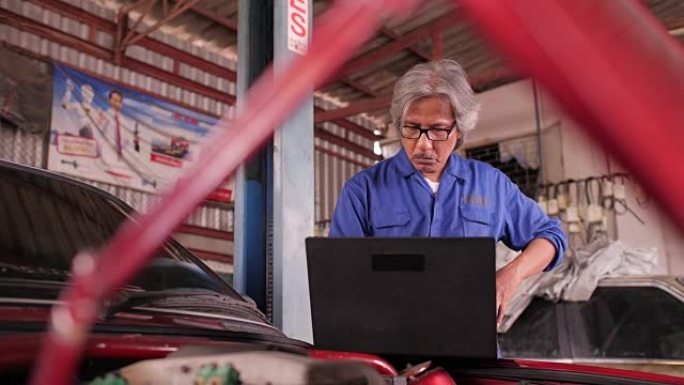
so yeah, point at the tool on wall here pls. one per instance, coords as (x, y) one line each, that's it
(584, 205)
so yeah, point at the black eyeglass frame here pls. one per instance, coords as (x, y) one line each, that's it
(426, 131)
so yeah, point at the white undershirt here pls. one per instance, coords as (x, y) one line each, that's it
(433, 185)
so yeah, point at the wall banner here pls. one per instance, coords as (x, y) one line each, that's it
(112, 134)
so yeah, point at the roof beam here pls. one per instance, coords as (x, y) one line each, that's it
(405, 41)
(351, 126)
(63, 38)
(224, 21)
(96, 22)
(133, 36)
(357, 107)
(73, 12)
(107, 26)
(675, 24)
(395, 36)
(374, 104)
(357, 86)
(339, 141)
(437, 51)
(353, 84)
(324, 150)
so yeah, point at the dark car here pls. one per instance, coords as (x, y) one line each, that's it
(629, 322)
(177, 321)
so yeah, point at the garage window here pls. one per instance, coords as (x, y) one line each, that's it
(526, 178)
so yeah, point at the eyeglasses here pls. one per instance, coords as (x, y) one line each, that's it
(434, 134)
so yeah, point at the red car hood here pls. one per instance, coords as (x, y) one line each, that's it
(20, 350)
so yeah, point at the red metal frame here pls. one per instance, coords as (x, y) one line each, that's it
(615, 107)
(348, 125)
(635, 375)
(394, 36)
(230, 24)
(267, 103)
(383, 367)
(437, 44)
(406, 41)
(353, 84)
(437, 376)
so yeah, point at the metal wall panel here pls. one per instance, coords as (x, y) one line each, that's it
(31, 10)
(81, 30)
(29, 149)
(331, 172)
(20, 147)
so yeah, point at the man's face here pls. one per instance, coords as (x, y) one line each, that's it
(427, 156)
(115, 100)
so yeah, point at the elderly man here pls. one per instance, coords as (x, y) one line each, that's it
(427, 191)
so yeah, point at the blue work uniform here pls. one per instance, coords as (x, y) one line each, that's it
(474, 199)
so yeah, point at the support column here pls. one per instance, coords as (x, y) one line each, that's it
(293, 177)
(254, 181)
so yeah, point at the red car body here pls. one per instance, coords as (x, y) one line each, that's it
(142, 332)
(18, 352)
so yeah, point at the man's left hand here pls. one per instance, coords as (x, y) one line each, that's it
(507, 281)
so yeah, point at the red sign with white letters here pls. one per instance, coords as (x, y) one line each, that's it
(298, 26)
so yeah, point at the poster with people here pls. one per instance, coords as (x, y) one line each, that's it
(109, 133)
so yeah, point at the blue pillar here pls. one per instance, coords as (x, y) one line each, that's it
(254, 181)
(274, 207)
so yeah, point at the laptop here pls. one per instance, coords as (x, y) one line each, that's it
(404, 297)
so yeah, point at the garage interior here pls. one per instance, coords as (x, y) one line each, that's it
(203, 55)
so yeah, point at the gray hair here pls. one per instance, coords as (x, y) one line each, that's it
(442, 77)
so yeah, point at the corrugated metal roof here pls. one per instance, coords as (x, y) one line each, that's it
(485, 68)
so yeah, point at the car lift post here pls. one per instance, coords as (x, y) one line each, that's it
(275, 192)
(293, 185)
(254, 180)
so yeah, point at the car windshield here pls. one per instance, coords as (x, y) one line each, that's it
(45, 220)
(616, 323)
